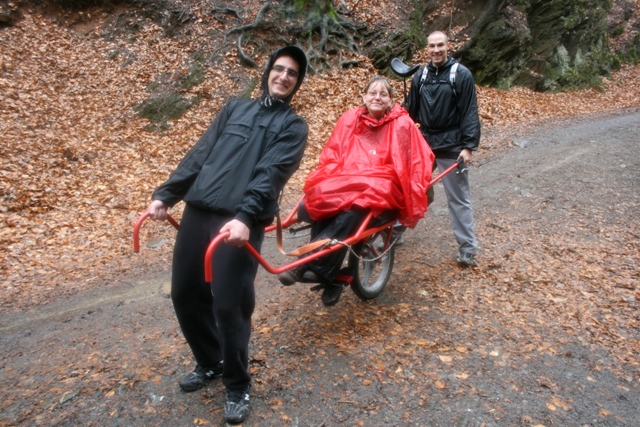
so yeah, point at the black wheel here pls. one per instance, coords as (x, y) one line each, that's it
(371, 267)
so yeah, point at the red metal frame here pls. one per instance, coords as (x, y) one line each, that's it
(362, 233)
(136, 229)
(441, 175)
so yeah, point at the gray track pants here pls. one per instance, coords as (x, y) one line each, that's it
(456, 187)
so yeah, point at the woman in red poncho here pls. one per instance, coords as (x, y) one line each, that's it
(375, 160)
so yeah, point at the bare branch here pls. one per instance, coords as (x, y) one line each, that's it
(256, 23)
(349, 12)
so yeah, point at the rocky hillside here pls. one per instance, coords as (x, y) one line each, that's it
(546, 45)
(542, 45)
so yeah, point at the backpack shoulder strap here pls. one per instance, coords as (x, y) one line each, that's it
(425, 72)
(452, 77)
(452, 73)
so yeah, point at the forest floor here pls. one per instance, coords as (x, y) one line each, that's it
(542, 332)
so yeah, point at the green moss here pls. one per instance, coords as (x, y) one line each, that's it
(162, 108)
(249, 89)
(416, 24)
(152, 86)
(629, 53)
(617, 31)
(574, 19)
(314, 9)
(195, 76)
(166, 101)
(587, 68)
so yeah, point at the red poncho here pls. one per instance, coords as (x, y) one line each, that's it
(376, 164)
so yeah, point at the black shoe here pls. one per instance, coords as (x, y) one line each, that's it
(199, 377)
(398, 235)
(289, 277)
(397, 238)
(331, 294)
(294, 275)
(466, 260)
(237, 409)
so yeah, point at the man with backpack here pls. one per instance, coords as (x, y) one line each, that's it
(442, 100)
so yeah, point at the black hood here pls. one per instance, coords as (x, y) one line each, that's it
(298, 55)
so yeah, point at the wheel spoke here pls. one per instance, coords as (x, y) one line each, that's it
(366, 273)
(372, 266)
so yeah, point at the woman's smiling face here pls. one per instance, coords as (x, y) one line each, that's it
(377, 99)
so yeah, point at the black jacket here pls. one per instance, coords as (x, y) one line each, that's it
(245, 157)
(241, 163)
(449, 122)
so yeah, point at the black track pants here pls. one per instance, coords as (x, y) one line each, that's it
(215, 319)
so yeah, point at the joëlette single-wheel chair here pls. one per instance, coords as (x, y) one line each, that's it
(369, 263)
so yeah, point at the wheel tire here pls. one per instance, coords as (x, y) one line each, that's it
(371, 277)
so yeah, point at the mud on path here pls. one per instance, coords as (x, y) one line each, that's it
(543, 332)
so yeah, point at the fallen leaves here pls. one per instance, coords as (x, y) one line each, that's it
(556, 402)
(78, 167)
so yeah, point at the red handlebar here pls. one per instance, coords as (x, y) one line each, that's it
(208, 274)
(441, 175)
(136, 229)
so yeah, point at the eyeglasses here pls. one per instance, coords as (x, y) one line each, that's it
(281, 69)
(382, 95)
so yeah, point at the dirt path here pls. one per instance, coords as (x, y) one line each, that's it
(543, 332)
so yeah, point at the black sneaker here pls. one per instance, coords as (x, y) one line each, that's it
(331, 294)
(236, 409)
(289, 277)
(200, 377)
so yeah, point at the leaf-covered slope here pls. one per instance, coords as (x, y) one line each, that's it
(78, 165)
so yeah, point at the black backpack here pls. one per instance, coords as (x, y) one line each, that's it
(452, 77)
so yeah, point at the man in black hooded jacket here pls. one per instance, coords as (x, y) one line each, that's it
(229, 181)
